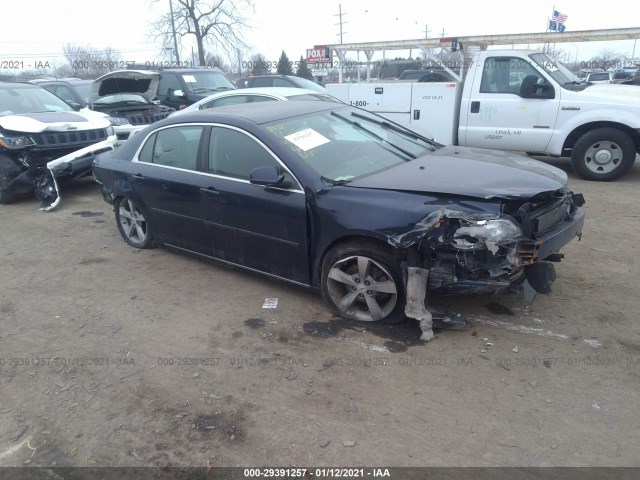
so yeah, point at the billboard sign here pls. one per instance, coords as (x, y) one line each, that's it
(319, 54)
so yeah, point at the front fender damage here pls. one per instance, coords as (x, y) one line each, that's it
(456, 251)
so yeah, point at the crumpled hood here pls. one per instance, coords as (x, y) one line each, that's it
(471, 172)
(126, 81)
(54, 121)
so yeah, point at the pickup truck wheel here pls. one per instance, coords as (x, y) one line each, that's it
(603, 154)
(361, 281)
(132, 224)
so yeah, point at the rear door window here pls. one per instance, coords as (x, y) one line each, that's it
(283, 82)
(262, 82)
(173, 147)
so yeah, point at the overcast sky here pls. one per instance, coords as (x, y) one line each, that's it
(35, 30)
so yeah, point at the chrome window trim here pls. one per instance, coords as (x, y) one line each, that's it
(296, 189)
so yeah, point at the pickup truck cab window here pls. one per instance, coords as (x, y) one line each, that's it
(515, 76)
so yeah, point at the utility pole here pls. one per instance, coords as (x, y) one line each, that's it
(426, 31)
(173, 30)
(340, 21)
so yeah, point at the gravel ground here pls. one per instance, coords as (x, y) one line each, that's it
(114, 356)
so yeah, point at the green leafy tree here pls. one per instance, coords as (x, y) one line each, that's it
(284, 65)
(303, 70)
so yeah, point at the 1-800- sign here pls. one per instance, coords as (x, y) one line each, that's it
(318, 54)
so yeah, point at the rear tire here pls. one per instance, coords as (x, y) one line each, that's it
(361, 281)
(603, 154)
(132, 223)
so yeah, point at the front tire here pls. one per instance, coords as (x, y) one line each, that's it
(603, 154)
(132, 223)
(361, 281)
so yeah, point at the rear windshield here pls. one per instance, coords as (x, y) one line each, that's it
(598, 76)
(311, 96)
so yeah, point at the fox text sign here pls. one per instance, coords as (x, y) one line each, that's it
(318, 54)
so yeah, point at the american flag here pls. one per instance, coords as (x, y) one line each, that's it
(558, 17)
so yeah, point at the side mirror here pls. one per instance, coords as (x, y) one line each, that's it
(546, 91)
(536, 90)
(178, 93)
(75, 105)
(267, 176)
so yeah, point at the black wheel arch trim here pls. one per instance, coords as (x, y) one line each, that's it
(579, 131)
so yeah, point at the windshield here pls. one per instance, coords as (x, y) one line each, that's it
(345, 144)
(121, 97)
(30, 100)
(84, 90)
(207, 81)
(555, 69)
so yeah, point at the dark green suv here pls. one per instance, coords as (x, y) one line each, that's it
(180, 87)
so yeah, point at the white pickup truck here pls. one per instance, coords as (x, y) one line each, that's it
(517, 100)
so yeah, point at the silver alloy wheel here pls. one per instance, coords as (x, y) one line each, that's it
(134, 225)
(362, 288)
(603, 157)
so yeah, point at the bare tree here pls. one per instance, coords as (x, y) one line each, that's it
(554, 52)
(607, 60)
(214, 60)
(88, 62)
(217, 22)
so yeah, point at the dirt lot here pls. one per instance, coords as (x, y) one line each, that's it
(114, 356)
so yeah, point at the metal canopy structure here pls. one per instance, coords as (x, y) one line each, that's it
(481, 42)
(505, 39)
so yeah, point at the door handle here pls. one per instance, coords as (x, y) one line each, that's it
(210, 191)
(475, 107)
(137, 177)
(416, 114)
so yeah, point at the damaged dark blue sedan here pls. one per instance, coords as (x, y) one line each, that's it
(333, 197)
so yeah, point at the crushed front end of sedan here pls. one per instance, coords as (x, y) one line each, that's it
(43, 140)
(478, 253)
